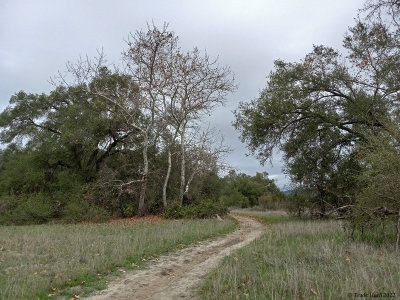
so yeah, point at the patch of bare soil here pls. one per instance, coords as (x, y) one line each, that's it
(179, 276)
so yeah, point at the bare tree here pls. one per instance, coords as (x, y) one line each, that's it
(180, 87)
(206, 152)
(199, 85)
(147, 59)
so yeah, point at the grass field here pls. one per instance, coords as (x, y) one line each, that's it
(305, 260)
(44, 261)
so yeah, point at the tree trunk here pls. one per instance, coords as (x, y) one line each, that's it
(189, 182)
(141, 209)
(164, 197)
(183, 162)
(398, 233)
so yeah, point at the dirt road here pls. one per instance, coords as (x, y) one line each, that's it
(179, 275)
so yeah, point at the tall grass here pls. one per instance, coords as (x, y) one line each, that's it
(305, 260)
(39, 260)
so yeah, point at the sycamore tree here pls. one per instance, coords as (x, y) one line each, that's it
(206, 152)
(319, 110)
(199, 86)
(176, 87)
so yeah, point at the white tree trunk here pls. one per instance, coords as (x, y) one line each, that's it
(164, 197)
(144, 176)
(183, 163)
(189, 182)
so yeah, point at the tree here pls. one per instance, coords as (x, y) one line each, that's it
(177, 87)
(245, 190)
(206, 152)
(319, 110)
(112, 132)
(199, 86)
(56, 145)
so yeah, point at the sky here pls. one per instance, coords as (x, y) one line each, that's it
(38, 37)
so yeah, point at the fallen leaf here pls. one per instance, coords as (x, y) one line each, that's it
(245, 277)
(83, 282)
(50, 295)
(53, 289)
(347, 258)
(235, 258)
(314, 291)
(134, 265)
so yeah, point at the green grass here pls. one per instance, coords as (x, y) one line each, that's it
(39, 260)
(305, 260)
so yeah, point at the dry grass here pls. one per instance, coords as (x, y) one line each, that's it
(259, 212)
(36, 261)
(305, 260)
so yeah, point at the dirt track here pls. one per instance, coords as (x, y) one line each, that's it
(178, 276)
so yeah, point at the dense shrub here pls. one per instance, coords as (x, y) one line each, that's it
(270, 201)
(25, 209)
(77, 211)
(41, 207)
(235, 198)
(202, 210)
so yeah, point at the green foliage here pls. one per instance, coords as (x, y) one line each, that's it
(201, 210)
(377, 207)
(299, 202)
(23, 209)
(233, 197)
(245, 191)
(80, 210)
(270, 201)
(322, 110)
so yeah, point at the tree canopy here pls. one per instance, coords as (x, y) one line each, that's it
(106, 138)
(323, 110)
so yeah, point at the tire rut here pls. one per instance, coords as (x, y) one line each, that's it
(179, 275)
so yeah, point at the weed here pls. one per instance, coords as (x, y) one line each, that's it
(41, 260)
(304, 260)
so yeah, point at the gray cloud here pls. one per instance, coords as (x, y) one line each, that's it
(38, 37)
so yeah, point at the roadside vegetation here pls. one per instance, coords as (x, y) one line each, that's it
(306, 260)
(41, 261)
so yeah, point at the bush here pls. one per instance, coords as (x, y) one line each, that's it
(174, 211)
(25, 209)
(235, 198)
(202, 210)
(299, 202)
(269, 201)
(77, 211)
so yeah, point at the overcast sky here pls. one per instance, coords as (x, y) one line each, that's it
(38, 37)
